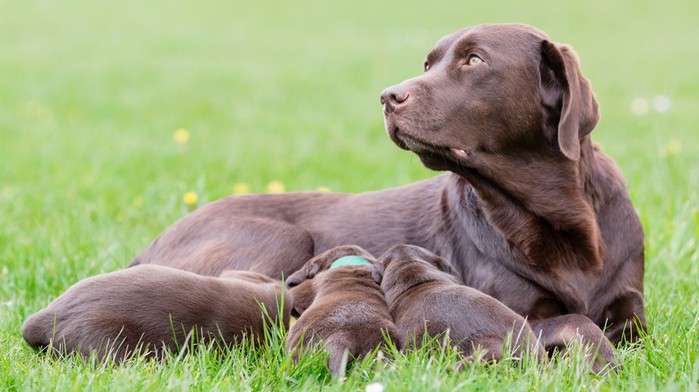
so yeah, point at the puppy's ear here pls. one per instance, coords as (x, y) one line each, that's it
(442, 264)
(384, 260)
(377, 272)
(303, 295)
(566, 94)
(308, 271)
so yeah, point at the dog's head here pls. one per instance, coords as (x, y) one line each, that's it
(404, 266)
(509, 111)
(304, 288)
(492, 90)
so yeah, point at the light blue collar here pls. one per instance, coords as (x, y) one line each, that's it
(348, 260)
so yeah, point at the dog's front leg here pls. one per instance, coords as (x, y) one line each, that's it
(561, 332)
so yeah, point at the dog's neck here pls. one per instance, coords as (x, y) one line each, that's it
(542, 206)
(344, 281)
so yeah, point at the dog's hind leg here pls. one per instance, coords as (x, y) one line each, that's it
(267, 246)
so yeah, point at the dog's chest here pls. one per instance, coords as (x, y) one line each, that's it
(481, 256)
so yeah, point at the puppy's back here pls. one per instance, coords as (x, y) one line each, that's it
(348, 313)
(150, 305)
(473, 320)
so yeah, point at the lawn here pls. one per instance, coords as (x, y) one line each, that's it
(272, 95)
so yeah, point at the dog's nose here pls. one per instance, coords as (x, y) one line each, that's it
(393, 97)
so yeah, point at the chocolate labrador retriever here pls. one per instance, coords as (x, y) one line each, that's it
(531, 213)
(342, 307)
(426, 299)
(154, 307)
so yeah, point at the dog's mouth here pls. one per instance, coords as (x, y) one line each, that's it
(428, 153)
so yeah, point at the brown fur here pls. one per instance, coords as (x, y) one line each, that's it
(561, 332)
(343, 309)
(426, 300)
(153, 307)
(531, 213)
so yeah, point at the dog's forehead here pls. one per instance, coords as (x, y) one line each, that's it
(488, 35)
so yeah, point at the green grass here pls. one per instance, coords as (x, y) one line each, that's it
(92, 92)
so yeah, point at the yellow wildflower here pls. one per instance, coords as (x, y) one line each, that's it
(190, 198)
(181, 136)
(275, 187)
(241, 188)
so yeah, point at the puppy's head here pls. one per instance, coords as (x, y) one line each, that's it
(302, 285)
(403, 266)
(324, 260)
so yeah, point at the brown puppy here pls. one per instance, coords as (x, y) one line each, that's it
(532, 212)
(341, 307)
(153, 307)
(425, 298)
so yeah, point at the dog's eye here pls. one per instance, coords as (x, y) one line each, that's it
(426, 66)
(474, 60)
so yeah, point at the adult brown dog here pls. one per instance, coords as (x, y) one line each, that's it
(342, 308)
(426, 299)
(154, 307)
(532, 212)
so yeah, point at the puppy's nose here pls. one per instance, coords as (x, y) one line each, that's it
(393, 97)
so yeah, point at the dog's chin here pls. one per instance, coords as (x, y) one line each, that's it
(433, 157)
(437, 162)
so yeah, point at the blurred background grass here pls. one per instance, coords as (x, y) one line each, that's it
(91, 93)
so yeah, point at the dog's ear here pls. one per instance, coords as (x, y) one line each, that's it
(377, 270)
(308, 271)
(566, 93)
(386, 258)
(303, 295)
(441, 264)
